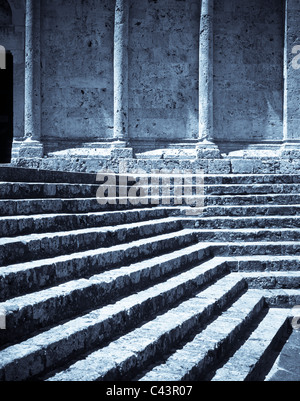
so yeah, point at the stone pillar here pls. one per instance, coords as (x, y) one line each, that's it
(206, 147)
(121, 73)
(291, 111)
(32, 146)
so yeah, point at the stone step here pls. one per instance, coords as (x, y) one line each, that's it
(282, 298)
(286, 367)
(41, 223)
(214, 205)
(198, 188)
(193, 360)
(247, 189)
(263, 263)
(21, 207)
(246, 235)
(45, 245)
(132, 352)
(144, 283)
(16, 226)
(273, 280)
(30, 190)
(14, 174)
(48, 307)
(218, 179)
(235, 222)
(257, 247)
(250, 361)
(206, 200)
(155, 254)
(248, 210)
(50, 349)
(261, 199)
(25, 278)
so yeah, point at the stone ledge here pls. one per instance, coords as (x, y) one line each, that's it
(93, 161)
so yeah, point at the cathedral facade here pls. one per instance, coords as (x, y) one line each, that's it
(210, 77)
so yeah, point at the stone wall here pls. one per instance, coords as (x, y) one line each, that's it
(77, 88)
(163, 72)
(248, 69)
(77, 71)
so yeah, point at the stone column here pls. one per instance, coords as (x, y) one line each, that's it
(291, 74)
(121, 72)
(32, 146)
(206, 147)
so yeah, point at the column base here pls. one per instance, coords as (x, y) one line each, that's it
(290, 150)
(121, 149)
(207, 150)
(31, 149)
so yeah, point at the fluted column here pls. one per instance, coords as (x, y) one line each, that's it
(32, 146)
(206, 147)
(121, 71)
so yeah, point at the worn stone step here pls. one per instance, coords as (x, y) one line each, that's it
(28, 190)
(48, 307)
(12, 226)
(25, 278)
(286, 366)
(41, 246)
(21, 207)
(247, 189)
(263, 263)
(218, 179)
(273, 280)
(200, 356)
(257, 222)
(251, 234)
(219, 205)
(248, 210)
(193, 360)
(255, 247)
(250, 361)
(207, 200)
(132, 352)
(11, 174)
(254, 199)
(171, 187)
(282, 298)
(50, 349)
(23, 225)
(18, 174)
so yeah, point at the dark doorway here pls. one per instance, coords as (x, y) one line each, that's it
(6, 110)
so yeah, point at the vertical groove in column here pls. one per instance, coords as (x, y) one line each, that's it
(121, 70)
(206, 40)
(32, 71)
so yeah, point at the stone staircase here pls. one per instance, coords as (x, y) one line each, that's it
(146, 293)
